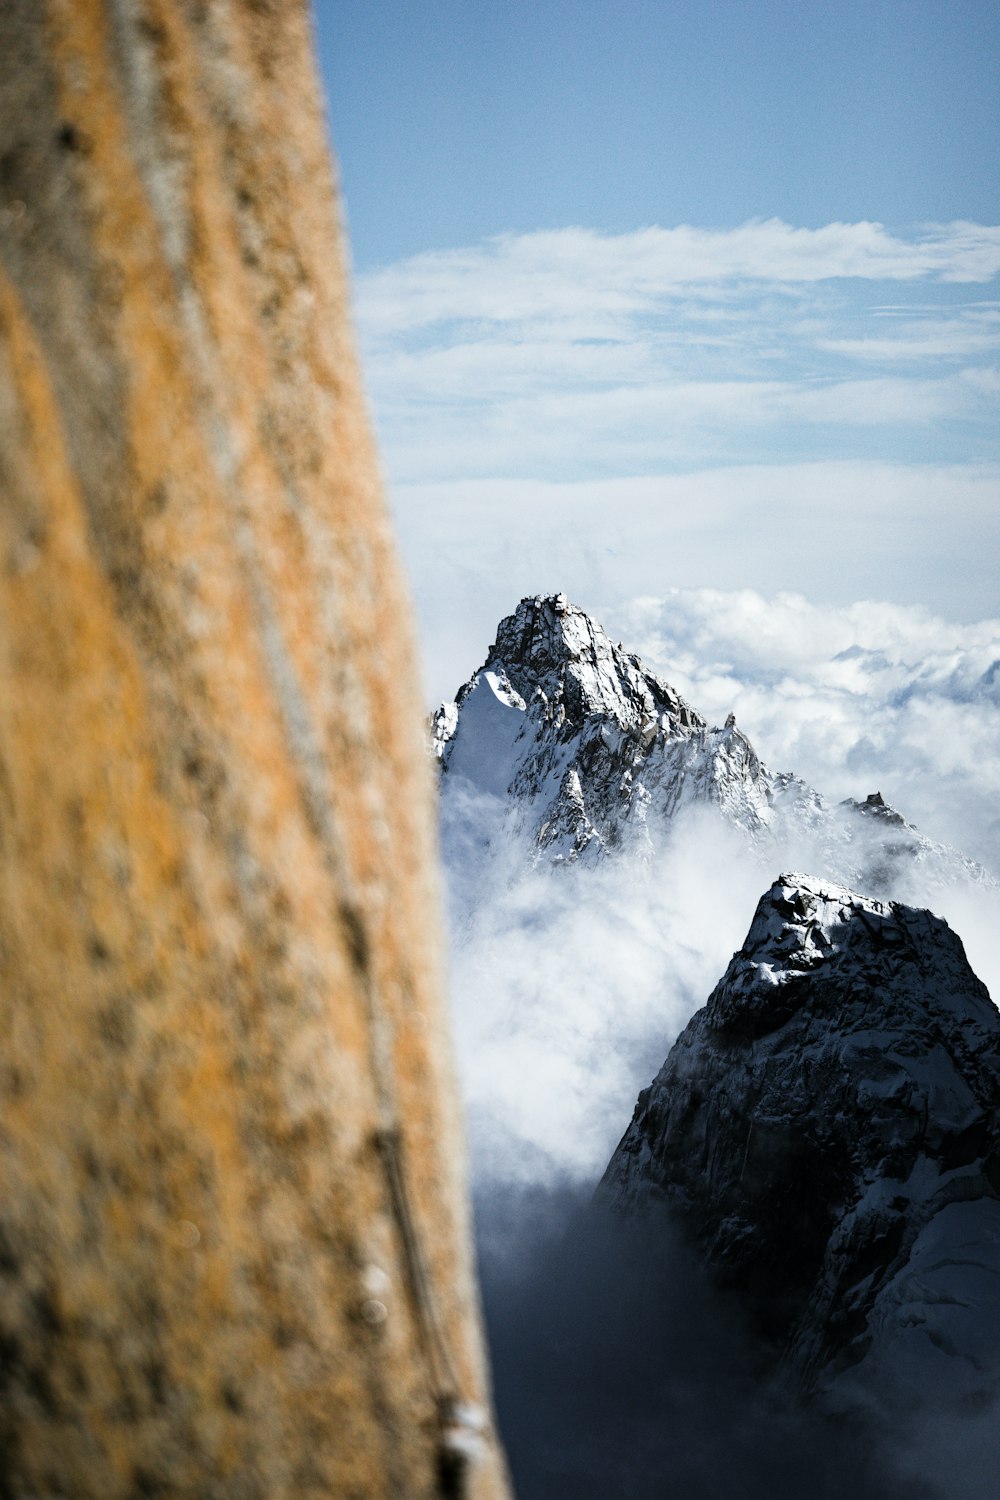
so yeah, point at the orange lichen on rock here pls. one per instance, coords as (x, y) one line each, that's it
(233, 1243)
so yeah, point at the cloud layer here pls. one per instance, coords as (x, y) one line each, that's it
(857, 698)
(766, 406)
(834, 531)
(569, 353)
(577, 272)
(570, 984)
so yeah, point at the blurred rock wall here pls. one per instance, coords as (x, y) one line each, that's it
(233, 1243)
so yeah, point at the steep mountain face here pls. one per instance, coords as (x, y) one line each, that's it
(828, 1129)
(595, 753)
(593, 749)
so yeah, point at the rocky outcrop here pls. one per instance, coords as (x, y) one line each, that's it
(827, 1128)
(593, 753)
(233, 1244)
(895, 850)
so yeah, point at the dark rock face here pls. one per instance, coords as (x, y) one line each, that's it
(828, 1128)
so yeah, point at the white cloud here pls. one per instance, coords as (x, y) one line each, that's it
(974, 331)
(575, 357)
(536, 422)
(835, 532)
(871, 696)
(573, 271)
(570, 984)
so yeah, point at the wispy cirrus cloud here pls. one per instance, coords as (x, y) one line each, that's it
(555, 431)
(565, 272)
(922, 334)
(566, 353)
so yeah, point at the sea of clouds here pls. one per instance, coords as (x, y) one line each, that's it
(703, 418)
(618, 1369)
(856, 698)
(571, 983)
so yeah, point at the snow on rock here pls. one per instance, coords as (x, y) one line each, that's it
(493, 726)
(896, 848)
(828, 1127)
(603, 748)
(594, 753)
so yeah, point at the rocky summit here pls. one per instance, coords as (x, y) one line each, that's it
(592, 753)
(827, 1128)
(593, 749)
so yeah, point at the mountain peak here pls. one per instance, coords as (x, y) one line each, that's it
(584, 738)
(552, 649)
(828, 1127)
(806, 928)
(593, 752)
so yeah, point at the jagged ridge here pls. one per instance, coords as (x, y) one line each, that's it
(593, 748)
(596, 753)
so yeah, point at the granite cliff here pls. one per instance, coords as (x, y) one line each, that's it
(234, 1257)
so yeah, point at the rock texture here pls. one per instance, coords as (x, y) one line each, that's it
(233, 1242)
(594, 753)
(828, 1128)
(591, 747)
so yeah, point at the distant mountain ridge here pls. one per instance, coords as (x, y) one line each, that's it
(594, 754)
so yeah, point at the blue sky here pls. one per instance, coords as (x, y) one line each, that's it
(677, 295)
(460, 119)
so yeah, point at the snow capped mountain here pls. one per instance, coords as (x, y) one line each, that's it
(828, 1129)
(592, 753)
(591, 748)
